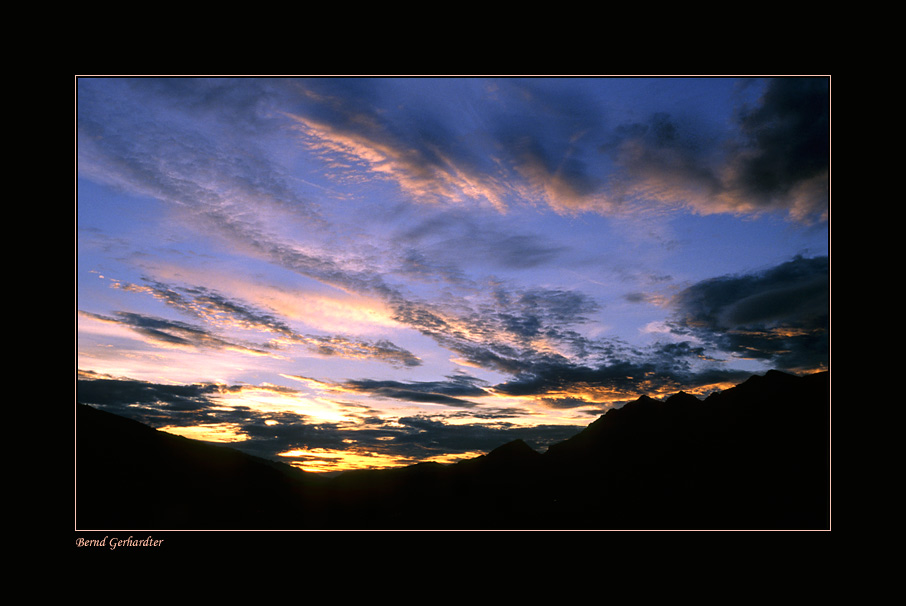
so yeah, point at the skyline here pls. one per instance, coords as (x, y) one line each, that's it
(356, 272)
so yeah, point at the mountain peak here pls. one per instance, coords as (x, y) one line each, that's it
(516, 449)
(771, 377)
(682, 397)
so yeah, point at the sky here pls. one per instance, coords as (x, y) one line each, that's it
(343, 273)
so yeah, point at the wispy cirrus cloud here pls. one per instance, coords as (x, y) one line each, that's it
(219, 314)
(165, 332)
(452, 391)
(505, 328)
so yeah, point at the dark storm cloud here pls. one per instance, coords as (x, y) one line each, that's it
(565, 403)
(787, 137)
(664, 156)
(780, 315)
(777, 158)
(151, 403)
(554, 378)
(123, 392)
(570, 152)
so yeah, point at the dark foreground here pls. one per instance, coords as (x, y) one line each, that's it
(754, 457)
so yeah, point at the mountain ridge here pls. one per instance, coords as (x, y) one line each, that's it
(750, 457)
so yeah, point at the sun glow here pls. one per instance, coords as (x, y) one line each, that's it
(321, 460)
(324, 460)
(218, 432)
(276, 399)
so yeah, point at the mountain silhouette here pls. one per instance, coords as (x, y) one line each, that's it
(129, 475)
(755, 456)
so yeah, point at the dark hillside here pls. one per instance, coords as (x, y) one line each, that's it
(129, 475)
(756, 456)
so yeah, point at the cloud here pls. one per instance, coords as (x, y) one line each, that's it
(505, 329)
(173, 333)
(119, 392)
(223, 313)
(271, 434)
(784, 157)
(263, 431)
(459, 238)
(539, 140)
(358, 123)
(151, 403)
(382, 350)
(514, 315)
(778, 159)
(503, 143)
(663, 368)
(424, 433)
(544, 139)
(213, 307)
(780, 315)
(528, 143)
(208, 164)
(450, 392)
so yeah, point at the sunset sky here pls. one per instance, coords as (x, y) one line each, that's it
(366, 272)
